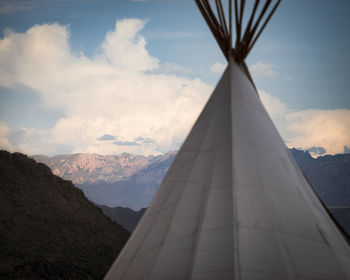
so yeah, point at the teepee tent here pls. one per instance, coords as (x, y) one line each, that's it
(234, 204)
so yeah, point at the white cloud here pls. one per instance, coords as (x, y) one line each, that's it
(118, 93)
(25, 140)
(261, 70)
(218, 68)
(4, 137)
(113, 93)
(126, 49)
(329, 129)
(171, 68)
(273, 105)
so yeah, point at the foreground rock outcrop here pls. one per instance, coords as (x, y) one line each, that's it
(48, 229)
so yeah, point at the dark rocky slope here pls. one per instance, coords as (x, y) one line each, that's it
(126, 217)
(329, 175)
(48, 229)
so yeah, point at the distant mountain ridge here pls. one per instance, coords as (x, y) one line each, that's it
(135, 192)
(91, 168)
(329, 175)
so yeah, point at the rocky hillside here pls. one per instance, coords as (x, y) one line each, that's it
(48, 229)
(126, 217)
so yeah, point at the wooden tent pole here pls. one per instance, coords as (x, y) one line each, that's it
(230, 21)
(264, 25)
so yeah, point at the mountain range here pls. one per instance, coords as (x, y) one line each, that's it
(91, 168)
(133, 187)
(131, 181)
(329, 175)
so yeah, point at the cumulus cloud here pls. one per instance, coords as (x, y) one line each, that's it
(318, 131)
(119, 93)
(114, 93)
(261, 70)
(218, 68)
(276, 108)
(30, 140)
(4, 136)
(314, 128)
(126, 49)
(171, 68)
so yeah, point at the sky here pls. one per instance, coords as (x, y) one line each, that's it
(113, 76)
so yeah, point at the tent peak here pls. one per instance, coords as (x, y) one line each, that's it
(223, 30)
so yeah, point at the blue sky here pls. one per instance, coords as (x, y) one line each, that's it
(300, 66)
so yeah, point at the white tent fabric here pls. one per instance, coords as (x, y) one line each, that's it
(234, 204)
